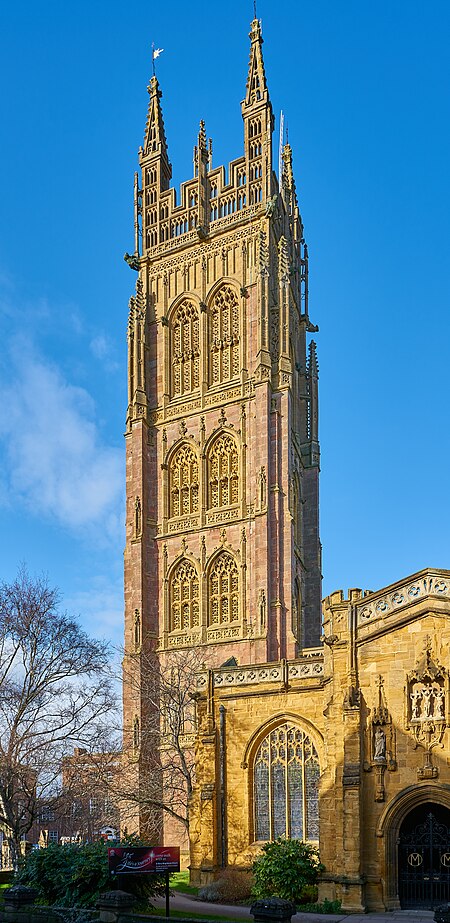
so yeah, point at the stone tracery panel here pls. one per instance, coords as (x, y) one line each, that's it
(223, 591)
(184, 482)
(224, 336)
(184, 597)
(185, 349)
(223, 472)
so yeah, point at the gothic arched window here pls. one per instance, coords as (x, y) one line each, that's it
(286, 786)
(185, 349)
(183, 473)
(184, 597)
(223, 472)
(223, 591)
(224, 336)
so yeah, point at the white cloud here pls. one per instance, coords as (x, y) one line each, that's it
(102, 349)
(57, 463)
(100, 609)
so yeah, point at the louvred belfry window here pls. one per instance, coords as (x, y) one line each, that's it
(184, 597)
(184, 483)
(286, 786)
(224, 336)
(185, 349)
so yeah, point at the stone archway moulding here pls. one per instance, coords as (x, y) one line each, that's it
(389, 830)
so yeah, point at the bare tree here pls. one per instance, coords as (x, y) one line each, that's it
(55, 694)
(158, 751)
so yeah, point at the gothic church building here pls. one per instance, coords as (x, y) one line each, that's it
(330, 727)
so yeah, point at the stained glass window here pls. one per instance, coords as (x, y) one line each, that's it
(286, 786)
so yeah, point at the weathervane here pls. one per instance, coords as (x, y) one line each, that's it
(155, 54)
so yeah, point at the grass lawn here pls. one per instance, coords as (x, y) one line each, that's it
(179, 882)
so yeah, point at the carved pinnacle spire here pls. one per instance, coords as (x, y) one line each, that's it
(155, 136)
(256, 90)
(202, 137)
(313, 365)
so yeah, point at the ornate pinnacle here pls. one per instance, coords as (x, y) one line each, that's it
(313, 366)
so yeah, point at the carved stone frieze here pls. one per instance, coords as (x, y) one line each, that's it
(381, 606)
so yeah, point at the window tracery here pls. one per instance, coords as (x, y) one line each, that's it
(223, 591)
(224, 333)
(285, 786)
(184, 482)
(184, 597)
(185, 351)
(223, 470)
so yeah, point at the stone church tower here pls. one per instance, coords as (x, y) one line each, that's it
(222, 536)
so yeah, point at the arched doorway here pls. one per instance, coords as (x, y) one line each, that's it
(424, 857)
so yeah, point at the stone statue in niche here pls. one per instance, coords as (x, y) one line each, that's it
(427, 711)
(415, 706)
(137, 516)
(379, 750)
(426, 691)
(427, 703)
(439, 704)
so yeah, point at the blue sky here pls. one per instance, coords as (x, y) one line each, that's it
(365, 92)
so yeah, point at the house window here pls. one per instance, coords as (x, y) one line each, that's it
(285, 786)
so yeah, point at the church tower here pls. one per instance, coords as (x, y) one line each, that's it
(222, 538)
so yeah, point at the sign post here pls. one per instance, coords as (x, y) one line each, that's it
(145, 860)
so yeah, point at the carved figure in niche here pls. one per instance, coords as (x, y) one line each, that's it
(262, 609)
(136, 733)
(137, 629)
(137, 516)
(415, 697)
(427, 711)
(439, 703)
(262, 486)
(379, 754)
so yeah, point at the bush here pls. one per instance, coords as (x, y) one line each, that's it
(74, 876)
(325, 907)
(233, 885)
(285, 868)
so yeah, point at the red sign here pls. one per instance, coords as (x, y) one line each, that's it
(133, 860)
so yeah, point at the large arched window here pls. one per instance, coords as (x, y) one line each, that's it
(184, 597)
(223, 472)
(223, 591)
(224, 336)
(183, 473)
(185, 349)
(285, 786)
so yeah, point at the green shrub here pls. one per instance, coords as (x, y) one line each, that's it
(325, 907)
(309, 894)
(233, 885)
(75, 875)
(285, 868)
